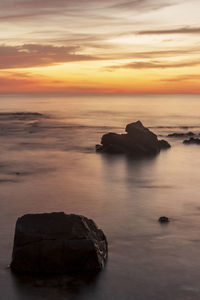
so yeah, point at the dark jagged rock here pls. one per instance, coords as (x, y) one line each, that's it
(56, 243)
(163, 220)
(138, 141)
(164, 144)
(115, 143)
(192, 141)
(178, 134)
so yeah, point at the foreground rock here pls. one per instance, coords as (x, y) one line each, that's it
(138, 141)
(56, 243)
(192, 141)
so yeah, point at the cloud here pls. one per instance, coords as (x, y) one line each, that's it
(190, 77)
(154, 65)
(181, 30)
(23, 9)
(37, 55)
(141, 5)
(34, 55)
(162, 53)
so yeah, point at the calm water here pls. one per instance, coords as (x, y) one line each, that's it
(49, 164)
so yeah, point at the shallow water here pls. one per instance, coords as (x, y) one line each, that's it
(48, 163)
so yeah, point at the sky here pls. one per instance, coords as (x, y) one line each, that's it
(100, 47)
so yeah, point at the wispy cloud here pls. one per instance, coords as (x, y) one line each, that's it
(37, 55)
(182, 78)
(33, 55)
(23, 9)
(161, 53)
(180, 30)
(141, 5)
(154, 65)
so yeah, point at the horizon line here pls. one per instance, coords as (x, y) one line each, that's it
(91, 94)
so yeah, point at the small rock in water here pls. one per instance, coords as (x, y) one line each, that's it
(181, 134)
(56, 243)
(163, 220)
(138, 141)
(192, 141)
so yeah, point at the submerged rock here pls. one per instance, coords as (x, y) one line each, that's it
(178, 134)
(192, 141)
(56, 243)
(138, 141)
(21, 115)
(163, 219)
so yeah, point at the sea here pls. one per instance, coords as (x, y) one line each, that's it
(48, 163)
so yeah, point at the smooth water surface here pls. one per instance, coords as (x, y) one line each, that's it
(48, 163)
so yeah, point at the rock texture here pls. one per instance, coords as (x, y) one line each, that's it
(56, 243)
(138, 141)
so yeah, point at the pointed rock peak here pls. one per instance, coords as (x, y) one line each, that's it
(138, 123)
(135, 125)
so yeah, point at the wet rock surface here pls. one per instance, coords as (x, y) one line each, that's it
(56, 243)
(138, 141)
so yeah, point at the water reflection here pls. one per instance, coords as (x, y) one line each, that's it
(27, 287)
(127, 169)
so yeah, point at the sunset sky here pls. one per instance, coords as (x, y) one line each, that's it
(107, 46)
